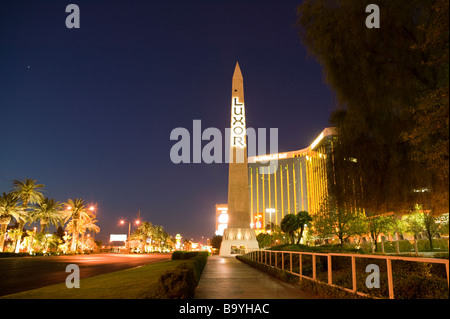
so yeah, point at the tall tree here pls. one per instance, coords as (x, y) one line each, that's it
(391, 86)
(379, 224)
(86, 224)
(304, 219)
(48, 211)
(291, 223)
(29, 192)
(9, 208)
(75, 211)
(335, 220)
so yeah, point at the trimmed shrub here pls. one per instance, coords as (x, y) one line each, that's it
(316, 249)
(180, 282)
(177, 255)
(176, 284)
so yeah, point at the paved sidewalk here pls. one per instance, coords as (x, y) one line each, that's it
(228, 278)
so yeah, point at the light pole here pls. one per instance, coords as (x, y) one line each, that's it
(122, 222)
(270, 211)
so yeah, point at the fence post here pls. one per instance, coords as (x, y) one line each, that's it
(354, 274)
(390, 279)
(330, 274)
(282, 260)
(290, 263)
(300, 265)
(314, 266)
(276, 260)
(446, 269)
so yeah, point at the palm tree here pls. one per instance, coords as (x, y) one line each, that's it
(29, 193)
(144, 232)
(85, 224)
(9, 208)
(48, 211)
(304, 219)
(293, 222)
(159, 235)
(76, 210)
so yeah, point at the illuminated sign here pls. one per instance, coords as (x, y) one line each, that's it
(257, 221)
(118, 237)
(223, 218)
(271, 157)
(237, 124)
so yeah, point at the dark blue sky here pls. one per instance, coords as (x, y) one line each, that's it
(88, 112)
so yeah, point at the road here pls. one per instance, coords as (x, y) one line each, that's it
(25, 273)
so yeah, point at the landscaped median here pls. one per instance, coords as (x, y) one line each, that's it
(176, 278)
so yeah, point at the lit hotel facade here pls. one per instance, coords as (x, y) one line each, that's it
(300, 183)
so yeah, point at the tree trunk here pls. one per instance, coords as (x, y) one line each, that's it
(82, 242)
(374, 241)
(43, 226)
(2, 236)
(300, 237)
(73, 247)
(430, 238)
(416, 250)
(397, 248)
(20, 226)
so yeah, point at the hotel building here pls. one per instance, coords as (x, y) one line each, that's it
(300, 182)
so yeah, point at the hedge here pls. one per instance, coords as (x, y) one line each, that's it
(180, 283)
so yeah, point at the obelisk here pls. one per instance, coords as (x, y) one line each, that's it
(238, 236)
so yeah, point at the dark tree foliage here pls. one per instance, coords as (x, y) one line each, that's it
(391, 86)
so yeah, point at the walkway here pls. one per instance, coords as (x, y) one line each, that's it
(228, 278)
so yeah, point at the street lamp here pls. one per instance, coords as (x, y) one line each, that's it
(122, 222)
(270, 211)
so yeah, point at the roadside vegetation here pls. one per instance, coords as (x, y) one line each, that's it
(173, 279)
(25, 205)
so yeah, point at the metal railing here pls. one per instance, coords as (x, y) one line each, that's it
(266, 257)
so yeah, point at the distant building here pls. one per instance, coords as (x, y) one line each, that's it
(221, 218)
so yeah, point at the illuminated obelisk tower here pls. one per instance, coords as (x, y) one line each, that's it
(238, 235)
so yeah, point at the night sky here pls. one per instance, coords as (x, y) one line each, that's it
(88, 112)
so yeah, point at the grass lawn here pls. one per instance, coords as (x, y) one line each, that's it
(135, 283)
